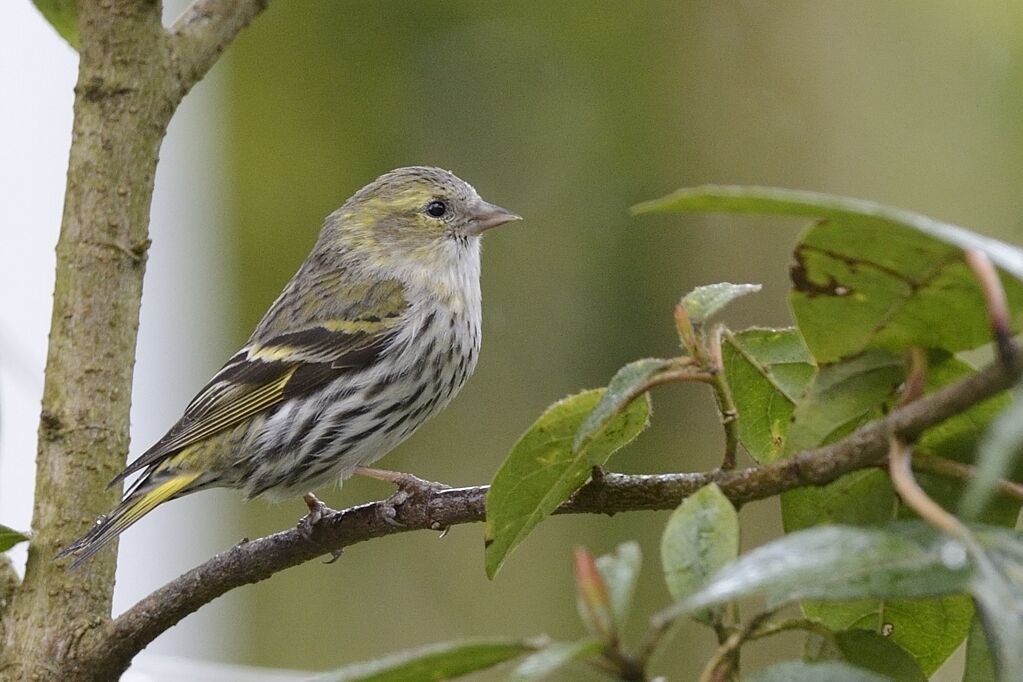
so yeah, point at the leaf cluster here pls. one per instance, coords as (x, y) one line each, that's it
(889, 581)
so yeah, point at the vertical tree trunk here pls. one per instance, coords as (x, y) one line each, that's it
(121, 111)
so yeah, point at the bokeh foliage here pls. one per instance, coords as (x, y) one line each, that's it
(569, 113)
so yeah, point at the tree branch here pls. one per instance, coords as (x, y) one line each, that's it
(112, 646)
(132, 74)
(203, 32)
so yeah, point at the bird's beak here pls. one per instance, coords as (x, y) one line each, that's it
(486, 216)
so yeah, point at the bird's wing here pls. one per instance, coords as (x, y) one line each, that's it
(264, 374)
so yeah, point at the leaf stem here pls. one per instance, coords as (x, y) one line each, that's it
(805, 624)
(726, 659)
(995, 302)
(723, 397)
(900, 462)
(900, 467)
(942, 466)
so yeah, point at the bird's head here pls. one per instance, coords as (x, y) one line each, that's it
(417, 216)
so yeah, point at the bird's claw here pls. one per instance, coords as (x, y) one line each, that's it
(409, 488)
(317, 511)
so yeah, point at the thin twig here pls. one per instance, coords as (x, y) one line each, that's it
(116, 642)
(655, 633)
(203, 31)
(723, 397)
(773, 628)
(916, 375)
(900, 459)
(948, 468)
(726, 657)
(718, 660)
(900, 467)
(995, 302)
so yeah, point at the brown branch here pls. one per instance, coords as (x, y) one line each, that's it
(111, 647)
(203, 31)
(132, 74)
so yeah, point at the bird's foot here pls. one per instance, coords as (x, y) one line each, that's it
(317, 511)
(409, 488)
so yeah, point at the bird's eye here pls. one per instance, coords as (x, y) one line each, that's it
(436, 208)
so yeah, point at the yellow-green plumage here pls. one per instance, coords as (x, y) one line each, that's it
(376, 332)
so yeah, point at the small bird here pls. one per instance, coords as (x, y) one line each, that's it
(376, 332)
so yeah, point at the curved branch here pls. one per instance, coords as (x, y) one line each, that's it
(203, 31)
(112, 646)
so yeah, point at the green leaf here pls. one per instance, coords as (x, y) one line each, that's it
(626, 385)
(767, 370)
(621, 571)
(701, 536)
(999, 449)
(872, 651)
(829, 671)
(997, 588)
(63, 16)
(958, 438)
(980, 665)
(928, 629)
(435, 662)
(552, 658)
(842, 397)
(837, 563)
(869, 275)
(703, 302)
(10, 537)
(542, 470)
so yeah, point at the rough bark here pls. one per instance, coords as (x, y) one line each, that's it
(132, 75)
(121, 114)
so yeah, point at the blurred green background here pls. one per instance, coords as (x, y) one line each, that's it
(568, 113)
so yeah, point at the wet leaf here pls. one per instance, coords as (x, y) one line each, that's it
(998, 454)
(767, 370)
(980, 665)
(872, 651)
(435, 662)
(869, 275)
(997, 588)
(842, 397)
(831, 671)
(553, 658)
(701, 536)
(543, 470)
(627, 383)
(837, 563)
(704, 302)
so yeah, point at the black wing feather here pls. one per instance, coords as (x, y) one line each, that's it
(246, 384)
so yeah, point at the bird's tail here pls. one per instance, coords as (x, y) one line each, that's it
(146, 496)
